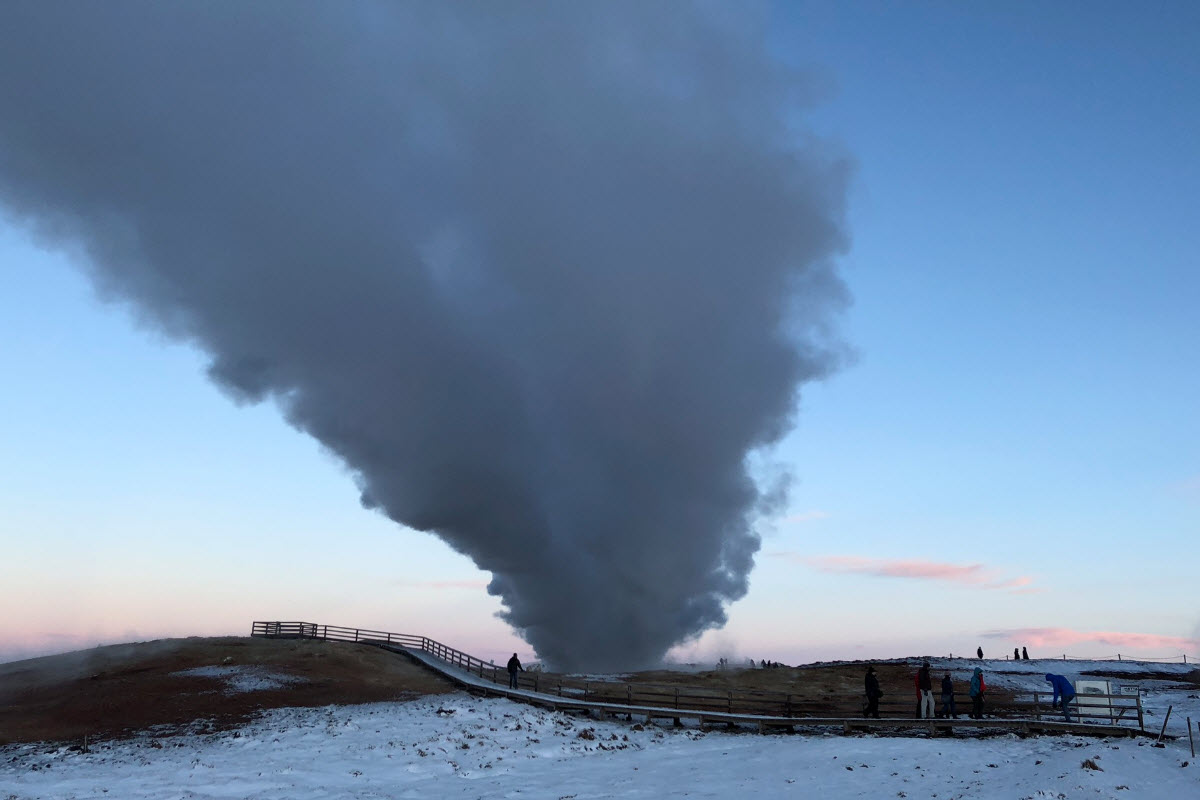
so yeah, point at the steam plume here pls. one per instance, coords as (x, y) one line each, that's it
(542, 275)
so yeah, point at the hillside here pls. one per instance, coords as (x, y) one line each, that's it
(194, 683)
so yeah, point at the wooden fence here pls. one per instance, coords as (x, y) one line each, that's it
(1115, 709)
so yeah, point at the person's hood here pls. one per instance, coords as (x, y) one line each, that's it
(978, 671)
(1049, 677)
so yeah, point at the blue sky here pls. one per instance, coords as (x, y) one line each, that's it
(1012, 457)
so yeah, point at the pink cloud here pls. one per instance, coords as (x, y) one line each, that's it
(1066, 637)
(917, 569)
(806, 516)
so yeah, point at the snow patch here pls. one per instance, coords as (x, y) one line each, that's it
(239, 679)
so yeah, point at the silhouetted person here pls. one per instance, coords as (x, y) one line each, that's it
(873, 694)
(925, 687)
(948, 710)
(514, 664)
(1016, 654)
(979, 652)
(978, 687)
(1063, 689)
(1024, 654)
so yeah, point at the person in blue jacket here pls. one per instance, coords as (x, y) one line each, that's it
(977, 691)
(1062, 689)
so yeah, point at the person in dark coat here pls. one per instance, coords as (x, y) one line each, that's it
(925, 687)
(948, 709)
(873, 694)
(514, 664)
(1016, 654)
(979, 652)
(1062, 689)
(978, 687)
(1024, 654)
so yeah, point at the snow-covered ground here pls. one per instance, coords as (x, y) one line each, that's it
(456, 745)
(460, 746)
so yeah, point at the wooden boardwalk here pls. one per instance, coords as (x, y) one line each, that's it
(481, 677)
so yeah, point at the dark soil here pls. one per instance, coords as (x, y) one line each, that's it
(116, 691)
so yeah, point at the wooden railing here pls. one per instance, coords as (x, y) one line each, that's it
(1107, 709)
(338, 633)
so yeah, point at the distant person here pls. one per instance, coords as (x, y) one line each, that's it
(514, 665)
(948, 709)
(1024, 654)
(978, 687)
(925, 687)
(873, 694)
(1016, 654)
(979, 652)
(1062, 689)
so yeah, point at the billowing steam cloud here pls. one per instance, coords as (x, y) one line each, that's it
(543, 275)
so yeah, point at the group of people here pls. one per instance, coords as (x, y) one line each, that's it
(924, 687)
(1064, 691)
(1020, 654)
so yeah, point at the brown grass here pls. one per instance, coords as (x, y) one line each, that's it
(117, 690)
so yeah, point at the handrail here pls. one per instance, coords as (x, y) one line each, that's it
(1115, 709)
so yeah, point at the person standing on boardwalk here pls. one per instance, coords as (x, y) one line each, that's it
(925, 687)
(978, 687)
(873, 694)
(514, 664)
(1016, 654)
(948, 710)
(979, 652)
(1062, 689)
(1024, 654)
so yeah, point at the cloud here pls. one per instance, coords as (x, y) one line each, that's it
(543, 276)
(916, 569)
(805, 516)
(1065, 637)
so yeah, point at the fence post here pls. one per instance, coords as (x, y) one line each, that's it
(1141, 721)
(1165, 721)
(356, 634)
(1191, 741)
